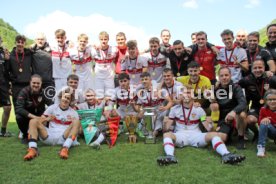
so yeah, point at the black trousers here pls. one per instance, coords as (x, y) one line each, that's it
(23, 125)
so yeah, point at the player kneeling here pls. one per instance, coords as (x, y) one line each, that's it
(63, 127)
(187, 132)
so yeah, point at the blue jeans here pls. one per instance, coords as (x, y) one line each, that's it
(266, 131)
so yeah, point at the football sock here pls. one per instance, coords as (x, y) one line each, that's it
(68, 142)
(168, 146)
(32, 143)
(100, 139)
(219, 146)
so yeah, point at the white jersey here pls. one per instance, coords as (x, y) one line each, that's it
(148, 98)
(122, 98)
(235, 69)
(186, 122)
(63, 118)
(172, 91)
(134, 67)
(156, 65)
(61, 62)
(86, 106)
(82, 63)
(79, 96)
(104, 62)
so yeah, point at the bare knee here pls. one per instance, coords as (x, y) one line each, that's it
(243, 116)
(251, 119)
(168, 135)
(223, 136)
(34, 123)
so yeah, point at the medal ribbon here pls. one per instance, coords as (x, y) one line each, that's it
(186, 119)
(17, 59)
(229, 60)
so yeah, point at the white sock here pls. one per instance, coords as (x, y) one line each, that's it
(168, 146)
(219, 146)
(100, 139)
(68, 142)
(32, 144)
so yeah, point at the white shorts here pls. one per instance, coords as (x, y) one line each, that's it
(190, 138)
(55, 137)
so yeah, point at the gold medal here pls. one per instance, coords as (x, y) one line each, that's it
(178, 74)
(20, 70)
(153, 73)
(201, 68)
(262, 101)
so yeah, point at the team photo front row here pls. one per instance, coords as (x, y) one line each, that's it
(186, 114)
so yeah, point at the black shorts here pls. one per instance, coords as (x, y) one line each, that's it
(254, 112)
(226, 128)
(4, 95)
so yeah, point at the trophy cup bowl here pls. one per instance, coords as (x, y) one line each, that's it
(149, 120)
(131, 124)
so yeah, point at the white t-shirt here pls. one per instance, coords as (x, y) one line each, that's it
(176, 113)
(79, 96)
(85, 106)
(173, 91)
(156, 65)
(134, 68)
(235, 69)
(122, 97)
(149, 98)
(82, 61)
(63, 118)
(104, 62)
(61, 62)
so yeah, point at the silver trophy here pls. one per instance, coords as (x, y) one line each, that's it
(150, 116)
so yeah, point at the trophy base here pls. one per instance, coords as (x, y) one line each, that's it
(150, 140)
(132, 138)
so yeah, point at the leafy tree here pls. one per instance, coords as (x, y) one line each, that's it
(263, 37)
(8, 34)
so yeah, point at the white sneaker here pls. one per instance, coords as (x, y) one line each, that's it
(261, 151)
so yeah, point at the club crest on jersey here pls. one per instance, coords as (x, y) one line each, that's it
(193, 115)
(208, 52)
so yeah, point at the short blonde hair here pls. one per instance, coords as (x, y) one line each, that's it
(83, 36)
(104, 33)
